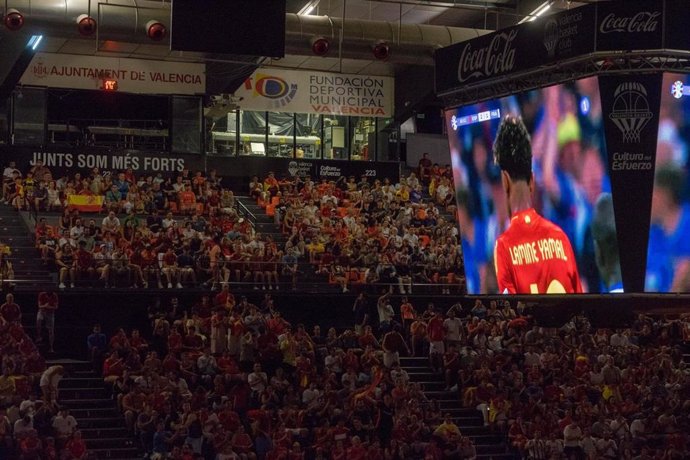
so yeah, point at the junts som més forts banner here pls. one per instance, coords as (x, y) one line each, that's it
(630, 105)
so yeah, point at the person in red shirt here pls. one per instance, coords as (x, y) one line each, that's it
(187, 200)
(113, 367)
(171, 273)
(437, 334)
(84, 263)
(356, 451)
(533, 255)
(76, 447)
(10, 311)
(30, 446)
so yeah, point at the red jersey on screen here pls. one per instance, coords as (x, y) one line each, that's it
(534, 256)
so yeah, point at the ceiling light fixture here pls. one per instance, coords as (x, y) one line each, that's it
(309, 7)
(540, 10)
(34, 41)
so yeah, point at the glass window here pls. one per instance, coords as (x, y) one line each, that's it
(308, 136)
(186, 124)
(335, 137)
(281, 134)
(253, 133)
(29, 116)
(223, 132)
(363, 142)
(387, 145)
(4, 121)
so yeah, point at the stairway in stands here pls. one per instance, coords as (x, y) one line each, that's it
(91, 403)
(263, 223)
(26, 261)
(489, 445)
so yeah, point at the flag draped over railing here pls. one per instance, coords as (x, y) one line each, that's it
(85, 203)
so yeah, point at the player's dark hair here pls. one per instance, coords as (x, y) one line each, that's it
(672, 179)
(513, 149)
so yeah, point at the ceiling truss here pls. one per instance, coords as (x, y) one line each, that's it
(562, 72)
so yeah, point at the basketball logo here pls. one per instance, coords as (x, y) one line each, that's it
(630, 111)
(551, 37)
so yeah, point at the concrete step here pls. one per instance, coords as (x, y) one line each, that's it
(99, 422)
(103, 413)
(505, 456)
(102, 443)
(69, 383)
(489, 444)
(119, 453)
(433, 386)
(414, 361)
(95, 403)
(74, 367)
(88, 393)
(111, 432)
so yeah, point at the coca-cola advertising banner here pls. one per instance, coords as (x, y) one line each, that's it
(561, 36)
(630, 109)
(576, 33)
(630, 25)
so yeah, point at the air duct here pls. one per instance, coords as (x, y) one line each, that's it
(126, 21)
(407, 43)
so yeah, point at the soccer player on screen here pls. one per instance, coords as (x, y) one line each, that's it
(533, 255)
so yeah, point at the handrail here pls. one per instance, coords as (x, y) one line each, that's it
(244, 210)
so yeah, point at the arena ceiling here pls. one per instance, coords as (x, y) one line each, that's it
(414, 77)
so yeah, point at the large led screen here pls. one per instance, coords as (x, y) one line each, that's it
(570, 191)
(668, 252)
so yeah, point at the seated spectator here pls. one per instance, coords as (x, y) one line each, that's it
(10, 312)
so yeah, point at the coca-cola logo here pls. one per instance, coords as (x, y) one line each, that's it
(495, 59)
(644, 21)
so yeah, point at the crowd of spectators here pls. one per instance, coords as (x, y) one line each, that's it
(225, 379)
(168, 232)
(184, 230)
(230, 379)
(32, 424)
(369, 232)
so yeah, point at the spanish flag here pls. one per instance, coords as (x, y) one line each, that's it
(85, 203)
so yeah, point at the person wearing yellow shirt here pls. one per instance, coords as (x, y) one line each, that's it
(7, 387)
(288, 346)
(403, 193)
(448, 430)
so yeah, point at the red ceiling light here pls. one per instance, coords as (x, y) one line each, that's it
(381, 51)
(320, 46)
(13, 19)
(156, 30)
(86, 25)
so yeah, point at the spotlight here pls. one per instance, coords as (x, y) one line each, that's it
(14, 20)
(86, 25)
(156, 30)
(320, 46)
(381, 51)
